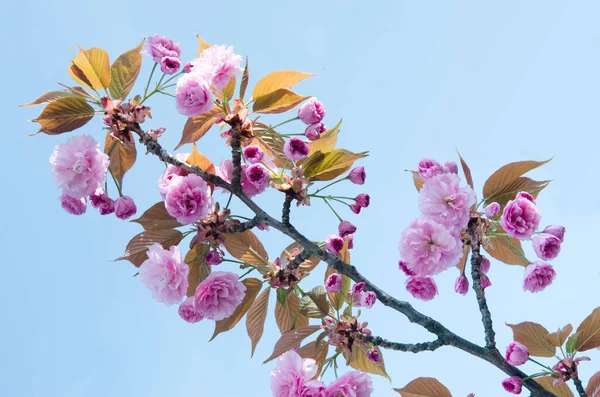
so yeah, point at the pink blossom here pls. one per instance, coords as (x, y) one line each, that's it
(450, 167)
(461, 285)
(187, 68)
(485, 281)
(334, 244)
(313, 131)
(526, 195)
(98, 198)
(187, 312)
(160, 46)
(165, 179)
(520, 218)
(492, 209)
(428, 168)
(363, 200)
(225, 170)
(219, 295)
(345, 228)
(358, 175)
(165, 274)
(354, 207)
(421, 287)
(546, 246)
(311, 111)
(125, 207)
(485, 264)
(367, 299)
(78, 166)
(556, 231)
(253, 154)
(403, 265)
(193, 95)
(292, 374)
(333, 283)
(188, 199)
(351, 384)
(313, 388)
(443, 200)
(373, 355)
(72, 205)
(107, 208)
(217, 64)
(517, 353)
(259, 176)
(170, 65)
(428, 248)
(296, 149)
(214, 257)
(538, 275)
(513, 385)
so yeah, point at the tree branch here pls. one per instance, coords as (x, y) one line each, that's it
(285, 213)
(242, 227)
(404, 347)
(579, 387)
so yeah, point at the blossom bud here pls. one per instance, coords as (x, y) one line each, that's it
(214, 258)
(546, 246)
(358, 175)
(334, 244)
(492, 209)
(345, 228)
(125, 207)
(517, 354)
(363, 200)
(461, 285)
(334, 283)
(557, 231)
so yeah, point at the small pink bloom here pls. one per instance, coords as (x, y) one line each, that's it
(421, 287)
(428, 168)
(125, 207)
(219, 295)
(450, 167)
(520, 218)
(311, 111)
(354, 207)
(253, 154)
(492, 209)
(358, 288)
(546, 246)
(485, 264)
(72, 205)
(351, 384)
(557, 231)
(428, 248)
(217, 64)
(358, 175)
(461, 285)
(187, 312)
(363, 200)
(402, 264)
(313, 131)
(373, 355)
(292, 376)
(187, 68)
(98, 198)
(313, 388)
(517, 353)
(296, 149)
(160, 46)
(193, 95)
(188, 199)
(485, 281)
(170, 65)
(165, 274)
(166, 178)
(538, 275)
(345, 228)
(368, 299)
(333, 283)
(443, 200)
(108, 207)
(513, 385)
(350, 239)
(334, 244)
(527, 196)
(259, 176)
(78, 166)
(214, 258)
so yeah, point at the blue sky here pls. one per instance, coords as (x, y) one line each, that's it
(500, 82)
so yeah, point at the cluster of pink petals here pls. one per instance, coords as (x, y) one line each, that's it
(73, 205)
(296, 149)
(421, 287)
(165, 52)
(102, 202)
(188, 313)
(254, 178)
(314, 131)
(188, 199)
(125, 207)
(193, 95)
(217, 65)
(546, 246)
(358, 175)
(292, 377)
(513, 385)
(520, 218)
(361, 298)
(311, 111)
(218, 295)
(538, 275)
(165, 274)
(333, 283)
(461, 285)
(253, 154)
(517, 353)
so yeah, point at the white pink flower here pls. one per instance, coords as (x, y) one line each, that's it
(165, 274)
(217, 65)
(188, 199)
(193, 95)
(218, 295)
(445, 201)
(72, 205)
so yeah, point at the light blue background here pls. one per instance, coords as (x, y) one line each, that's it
(500, 82)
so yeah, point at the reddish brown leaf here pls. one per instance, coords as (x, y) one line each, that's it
(156, 218)
(593, 386)
(417, 180)
(292, 339)
(49, 97)
(197, 158)
(246, 247)
(466, 171)
(202, 45)
(124, 72)
(135, 252)
(255, 320)
(337, 299)
(279, 101)
(64, 114)
(503, 249)
(195, 128)
(561, 390)
(199, 269)
(521, 184)
(319, 354)
(559, 337)
(424, 387)
(253, 286)
(507, 174)
(462, 262)
(244, 83)
(589, 332)
(533, 336)
(287, 315)
(358, 360)
(122, 156)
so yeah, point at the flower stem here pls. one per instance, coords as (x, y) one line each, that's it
(331, 184)
(336, 214)
(278, 125)
(116, 183)
(517, 249)
(149, 79)
(540, 364)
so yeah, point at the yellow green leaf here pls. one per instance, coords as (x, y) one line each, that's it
(227, 91)
(255, 319)
(64, 114)
(561, 390)
(202, 45)
(135, 252)
(156, 218)
(124, 72)
(49, 97)
(122, 156)
(507, 174)
(292, 339)
(281, 79)
(246, 247)
(195, 128)
(327, 166)
(326, 143)
(278, 101)
(358, 360)
(91, 68)
(589, 332)
(199, 269)
(253, 286)
(424, 387)
(533, 336)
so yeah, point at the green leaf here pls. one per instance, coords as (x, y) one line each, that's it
(281, 79)
(327, 166)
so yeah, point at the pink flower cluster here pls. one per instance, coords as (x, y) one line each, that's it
(358, 297)
(432, 243)
(312, 112)
(164, 52)
(165, 274)
(215, 67)
(293, 377)
(255, 177)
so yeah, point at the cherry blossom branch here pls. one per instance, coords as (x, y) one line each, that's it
(298, 259)
(404, 347)
(579, 386)
(285, 215)
(313, 249)
(242, 227)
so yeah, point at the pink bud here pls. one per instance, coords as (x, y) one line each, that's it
(73, 205)
(546, 246)
(450, 167)
(99, 198)
(108, 207)
(170, 65)
(358, 175)
(311, 111)
(492, 209)
(517, 354)
(125, 207)
(214, 258)
(358, 287)
(421, 287)
(334, 244)
(253, 154)
(345, 228)
(485, 281)
(538, 275)
(296, 149)
(187, 68)
(485, 264)
(363, 200)
(187, 312)
(313, 131)
(513, 385)
(461, 285)
(334, 283)
(527, 196)
(373, 355)
(355, 208)
(350, 239)
(557, 231)
(368, 299)
(428, 168)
